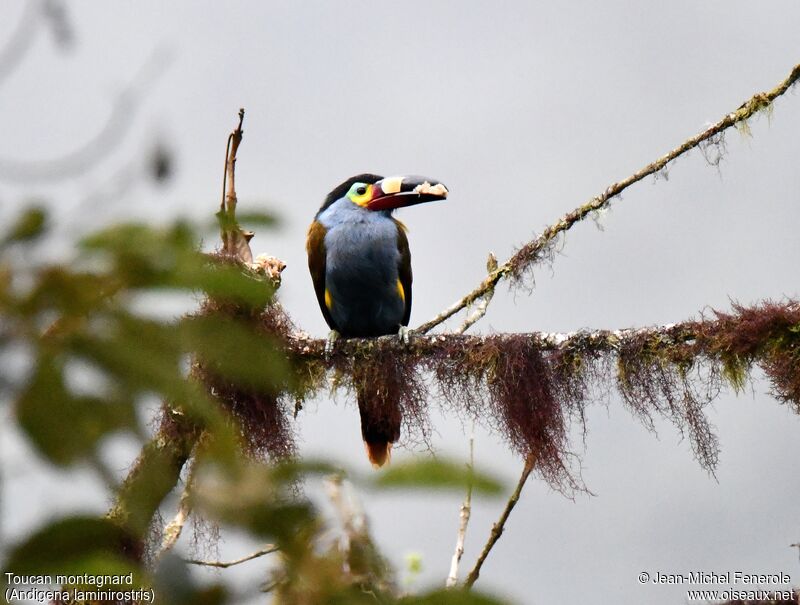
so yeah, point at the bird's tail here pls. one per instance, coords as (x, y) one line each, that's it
(381, 417)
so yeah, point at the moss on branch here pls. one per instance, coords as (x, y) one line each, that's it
(531, 387)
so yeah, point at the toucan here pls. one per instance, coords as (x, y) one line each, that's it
(360, 264)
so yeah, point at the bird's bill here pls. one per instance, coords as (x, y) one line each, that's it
(400, 191)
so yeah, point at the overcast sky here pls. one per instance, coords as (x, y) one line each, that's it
(524, 110)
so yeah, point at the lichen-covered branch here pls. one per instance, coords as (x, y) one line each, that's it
(529, 254)
(173, 529)
(483, 302)
(529, 387)
(154, 475)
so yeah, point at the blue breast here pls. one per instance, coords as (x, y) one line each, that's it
(362, 270)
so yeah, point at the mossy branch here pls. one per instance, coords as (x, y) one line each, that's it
(532, 252)
(530, 386)
(153, 476)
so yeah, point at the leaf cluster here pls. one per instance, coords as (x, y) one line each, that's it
(92, 359)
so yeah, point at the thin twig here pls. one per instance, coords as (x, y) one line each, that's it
(235, 241)
(228, 176)
(464, 514)
(531, 252)
(476, 315)
(497, 528)
(483, 305)
(269, 549)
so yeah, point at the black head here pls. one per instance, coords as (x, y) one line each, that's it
(341, 190)
(385, 194)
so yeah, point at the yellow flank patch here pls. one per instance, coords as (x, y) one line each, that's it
(401, 291)
(329, 299)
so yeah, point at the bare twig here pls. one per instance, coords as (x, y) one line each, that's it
(797, 546)
(497, 528)
(464, 514)
(228, 203)
(235, 241)
(153, 476)
(269, 549)
(531, 252)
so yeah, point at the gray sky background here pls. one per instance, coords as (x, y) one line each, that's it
(525, 110)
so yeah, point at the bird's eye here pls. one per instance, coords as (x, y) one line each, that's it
(361, 190)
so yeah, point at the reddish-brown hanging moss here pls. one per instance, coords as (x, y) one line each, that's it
(531, 387)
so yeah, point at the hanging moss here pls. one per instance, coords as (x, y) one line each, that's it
(532, 389)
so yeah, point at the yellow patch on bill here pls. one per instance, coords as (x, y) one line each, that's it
(391, 184)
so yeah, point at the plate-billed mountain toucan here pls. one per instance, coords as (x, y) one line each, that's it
(361, 268)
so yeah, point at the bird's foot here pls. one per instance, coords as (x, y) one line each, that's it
(404, 334)
(333, 336)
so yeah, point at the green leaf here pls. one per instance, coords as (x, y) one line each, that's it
(451, 597)
(76, 545)
(226, 282)
(236, 351)
(144, 257)
(289, 471)
(431, 473)
(65, 427)
(31, 224)
(139, 354)
(227, 222)
(174, 584)
(261, 219)
(70, 293)
(247, 495)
